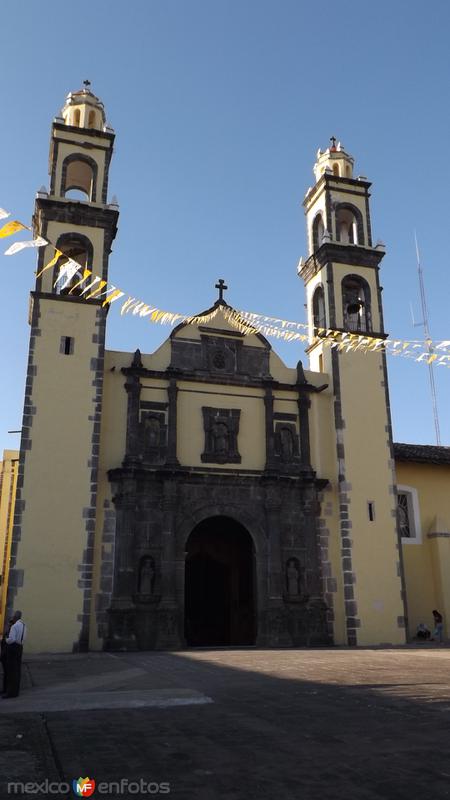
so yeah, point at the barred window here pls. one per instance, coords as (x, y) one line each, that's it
(408, 514)
(403, 516)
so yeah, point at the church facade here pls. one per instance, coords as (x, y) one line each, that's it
(205, 494)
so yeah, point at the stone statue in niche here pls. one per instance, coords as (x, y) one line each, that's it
(293, 577)
(153, 431)
(286, 444)
(147, 576)
(220, 437)
(221, 426)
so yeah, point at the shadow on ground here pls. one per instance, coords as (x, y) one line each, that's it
(290, 724)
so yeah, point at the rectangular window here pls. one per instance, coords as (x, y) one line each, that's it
(67, 345)
(371, 510)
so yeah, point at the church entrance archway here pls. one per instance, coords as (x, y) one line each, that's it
(220, 606)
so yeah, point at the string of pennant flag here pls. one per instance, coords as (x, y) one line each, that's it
(91, 286)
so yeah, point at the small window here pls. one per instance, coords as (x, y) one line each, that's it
(320, 362)
(67, 344)
(91, 120)
(408, 514)
(76, 117)
(371, 510)
(336, 170)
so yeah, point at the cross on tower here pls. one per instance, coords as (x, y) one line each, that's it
(87, 85)
(221, 287)
(333, 142)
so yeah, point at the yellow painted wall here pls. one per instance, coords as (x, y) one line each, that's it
(369, 475)
(427, 563)
(8, 484)
(57, 477)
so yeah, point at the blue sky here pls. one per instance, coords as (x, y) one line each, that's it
(219, 108)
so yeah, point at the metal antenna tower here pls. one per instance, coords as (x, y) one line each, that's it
(429, 346)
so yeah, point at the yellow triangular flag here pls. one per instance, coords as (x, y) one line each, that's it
(11, 227)
(51, 263)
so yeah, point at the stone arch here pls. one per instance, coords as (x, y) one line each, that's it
(220, 585)
(356, 304)
(318, 229)
(234, 512)
(347, 212)
(318, 307)
(80, 172)
(76, 246)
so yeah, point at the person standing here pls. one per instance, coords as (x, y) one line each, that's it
(438, 627)
(14, 649)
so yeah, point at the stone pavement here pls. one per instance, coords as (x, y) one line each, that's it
(236, 724)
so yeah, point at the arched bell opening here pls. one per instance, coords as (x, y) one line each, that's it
(356, 304)
(318, 308)
(220, 584)
(79, 172)
(77, 255)
(318, 230)
(349, 224)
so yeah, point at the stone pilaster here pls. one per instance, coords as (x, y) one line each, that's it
(122, 612)
(276, 618)
(172, 392)
(268, 405)
(133, 389)
(168, 637)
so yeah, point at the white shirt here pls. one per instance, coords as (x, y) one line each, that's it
(17, 633)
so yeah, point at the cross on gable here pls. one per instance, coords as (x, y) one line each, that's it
(221, 287)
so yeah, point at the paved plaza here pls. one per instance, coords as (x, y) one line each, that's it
(236, 724)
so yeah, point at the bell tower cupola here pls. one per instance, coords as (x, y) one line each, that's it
(75, 215)
(83, 109)
(334, 160)
(341, 272)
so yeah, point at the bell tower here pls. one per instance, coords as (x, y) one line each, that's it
(341, 276)
(53, 538)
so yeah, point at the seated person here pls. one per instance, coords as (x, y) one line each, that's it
(422, 631)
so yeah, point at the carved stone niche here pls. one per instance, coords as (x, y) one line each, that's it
(287, 450)
(221, 426)
(146, 580)
(294, 579)
(153, 436)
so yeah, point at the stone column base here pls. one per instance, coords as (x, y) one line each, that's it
(122, 629)
(276, 628)
(168, 635)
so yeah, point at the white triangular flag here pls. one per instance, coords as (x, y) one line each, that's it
(18, 246)
(4, 214)
(67, 271)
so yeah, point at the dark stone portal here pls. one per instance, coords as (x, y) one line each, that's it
(220, 585)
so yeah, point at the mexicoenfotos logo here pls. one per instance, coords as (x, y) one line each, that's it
(84, 787)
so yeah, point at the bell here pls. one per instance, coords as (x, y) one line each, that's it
(354, 308)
